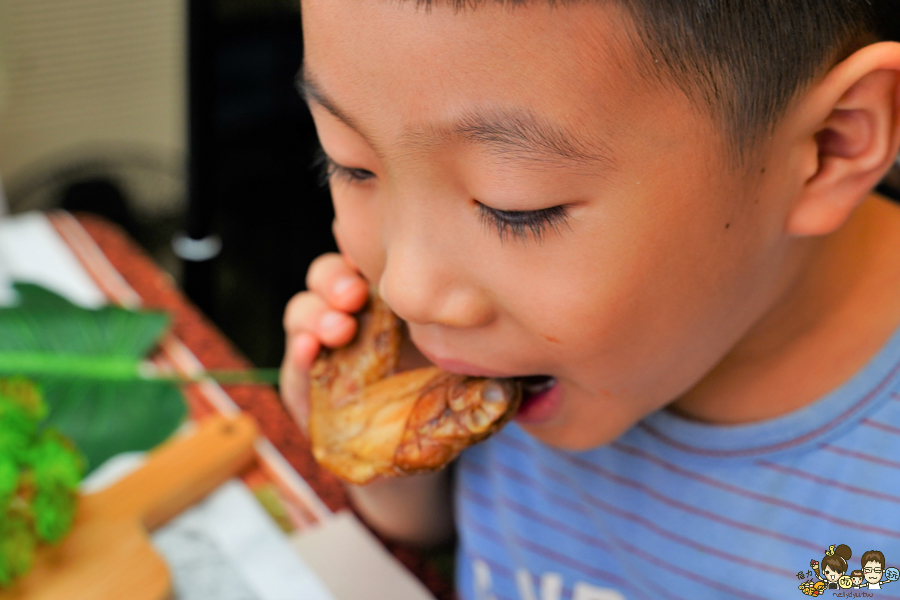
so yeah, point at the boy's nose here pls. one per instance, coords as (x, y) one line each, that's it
(426, 288)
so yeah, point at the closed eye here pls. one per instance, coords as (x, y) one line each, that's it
(508, 223)
(330, 170)
(517, 223)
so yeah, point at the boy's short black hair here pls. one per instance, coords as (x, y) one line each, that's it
(744, 60)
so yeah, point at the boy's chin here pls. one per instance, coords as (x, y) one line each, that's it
(577, 433)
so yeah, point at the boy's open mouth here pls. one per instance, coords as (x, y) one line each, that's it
(540, 398)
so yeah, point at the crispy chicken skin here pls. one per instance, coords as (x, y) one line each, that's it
(368, 422)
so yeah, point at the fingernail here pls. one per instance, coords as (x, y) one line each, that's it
(331, 320)
(343, 285)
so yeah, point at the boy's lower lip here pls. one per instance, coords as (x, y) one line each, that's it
(540, 407)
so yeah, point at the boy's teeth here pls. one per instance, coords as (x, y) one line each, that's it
(536, 385)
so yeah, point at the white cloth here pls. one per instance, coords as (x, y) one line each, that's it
(31, 250)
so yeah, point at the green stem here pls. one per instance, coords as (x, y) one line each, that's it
(69, 365)
(227, 377)
(117, 368)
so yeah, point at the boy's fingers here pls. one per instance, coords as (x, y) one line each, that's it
(337, 282)
(293, 382)
(318, 317)
(304, 347)
(302, 312)
(308, 312)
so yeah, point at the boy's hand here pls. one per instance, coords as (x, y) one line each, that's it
(320, 316)
(414, 509)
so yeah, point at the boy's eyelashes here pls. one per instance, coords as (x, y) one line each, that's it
(517, 223)
(330, 170)
(508, 223)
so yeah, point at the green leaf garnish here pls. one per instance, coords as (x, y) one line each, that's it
(87, 364)
(39, 476)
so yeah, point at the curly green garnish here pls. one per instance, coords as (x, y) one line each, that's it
(39, 476)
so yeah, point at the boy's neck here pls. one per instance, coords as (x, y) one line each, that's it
(830, 324)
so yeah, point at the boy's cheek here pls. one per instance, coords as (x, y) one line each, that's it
(342, 247)
(359, 244)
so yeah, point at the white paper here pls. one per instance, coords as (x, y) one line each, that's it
(228, 548)
(353, 563)
(32, 251)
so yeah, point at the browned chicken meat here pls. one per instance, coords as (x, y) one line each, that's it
(368, 421)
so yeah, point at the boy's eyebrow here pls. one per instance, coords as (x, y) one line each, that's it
(310, 91)
(509, 134)
(519, 135)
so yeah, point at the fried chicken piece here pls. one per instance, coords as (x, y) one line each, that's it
(367, 422)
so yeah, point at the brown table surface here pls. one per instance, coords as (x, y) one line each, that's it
(215, 351)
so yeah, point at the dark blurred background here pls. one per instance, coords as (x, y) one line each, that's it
(268, 207)
(123, 155)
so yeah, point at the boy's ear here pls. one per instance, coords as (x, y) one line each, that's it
(851, 120)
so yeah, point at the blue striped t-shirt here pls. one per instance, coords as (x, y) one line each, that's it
(682, 510)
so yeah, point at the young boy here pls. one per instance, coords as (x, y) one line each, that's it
(663, 210)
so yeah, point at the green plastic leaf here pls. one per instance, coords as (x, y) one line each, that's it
(45, 322)
(104, 418)
(86, 363)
